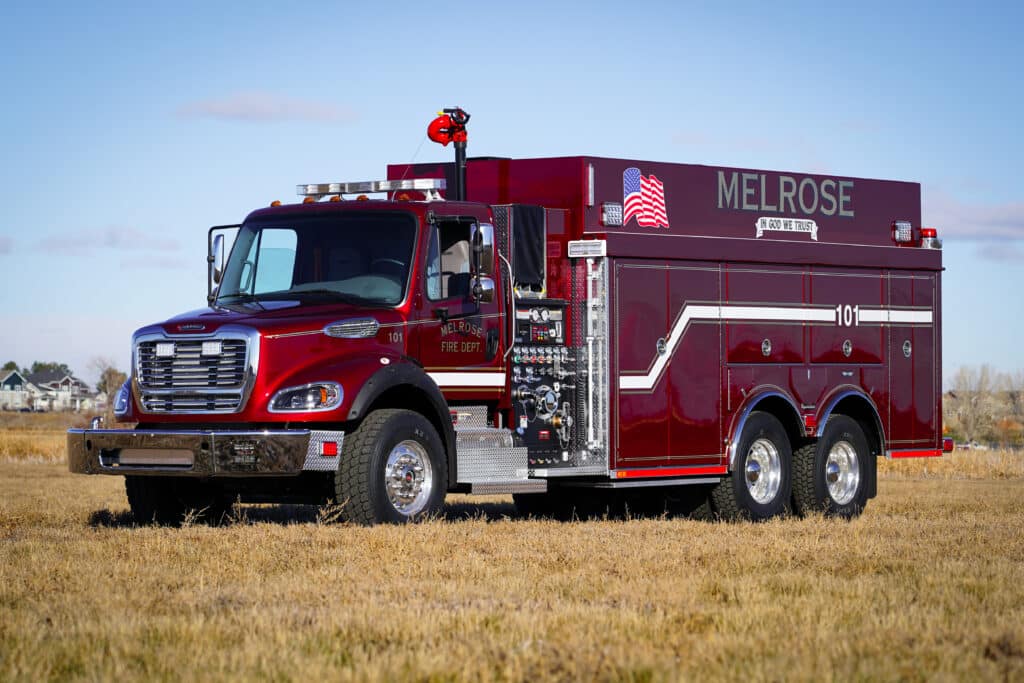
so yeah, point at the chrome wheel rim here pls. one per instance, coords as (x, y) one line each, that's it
(408, 478)
(842, 472)
(763, 471)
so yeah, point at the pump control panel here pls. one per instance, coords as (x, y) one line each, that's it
(543, 379)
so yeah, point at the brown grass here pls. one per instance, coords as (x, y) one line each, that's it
(36, 437)
(927, 584)
(994, 464)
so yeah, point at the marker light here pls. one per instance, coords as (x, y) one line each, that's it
(276, 202)
(308, 200)
(335, 198)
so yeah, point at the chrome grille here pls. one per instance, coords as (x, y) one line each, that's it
(176, 376)
(189, 368)
(191, 402)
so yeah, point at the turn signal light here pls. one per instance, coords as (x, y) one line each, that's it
(947, 445)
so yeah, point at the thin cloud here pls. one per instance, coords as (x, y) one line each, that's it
(113, 238)
(954, 218)
(6, 244)
(265, 107)
(1002, 252)
(158, 262)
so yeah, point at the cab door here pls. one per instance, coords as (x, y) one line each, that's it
(461, 321)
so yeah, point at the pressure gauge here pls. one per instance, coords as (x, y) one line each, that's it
(534, 315)
(545, 314)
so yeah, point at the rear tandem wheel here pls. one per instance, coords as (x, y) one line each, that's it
(760, 483)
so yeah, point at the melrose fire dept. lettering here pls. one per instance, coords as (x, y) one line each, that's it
(462, 328)
(760, 192)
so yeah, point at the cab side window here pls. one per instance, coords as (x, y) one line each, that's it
(448, 267)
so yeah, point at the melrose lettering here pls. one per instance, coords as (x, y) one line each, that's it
(785, 194)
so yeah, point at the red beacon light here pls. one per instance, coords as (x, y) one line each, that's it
(930, 239)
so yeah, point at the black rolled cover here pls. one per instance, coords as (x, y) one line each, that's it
(528, 245)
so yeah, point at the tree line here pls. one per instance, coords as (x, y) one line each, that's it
(984, 405)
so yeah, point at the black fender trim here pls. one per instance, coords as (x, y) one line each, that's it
(413, 377)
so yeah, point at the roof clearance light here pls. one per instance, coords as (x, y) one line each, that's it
(611, 213)
(431, 187)
(276, 202)
(903, 232)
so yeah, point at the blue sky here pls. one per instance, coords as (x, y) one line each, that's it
(128, 130)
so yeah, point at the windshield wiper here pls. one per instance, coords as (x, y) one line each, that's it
(240, 298)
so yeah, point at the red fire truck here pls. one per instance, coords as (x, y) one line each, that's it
(562, 329)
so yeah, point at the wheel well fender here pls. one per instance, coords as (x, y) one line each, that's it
(407, 386)
(771, 400)
(858, 406)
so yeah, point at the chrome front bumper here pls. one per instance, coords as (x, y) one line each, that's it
(202, 453)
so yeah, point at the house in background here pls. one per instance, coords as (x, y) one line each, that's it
(47, 390)
(61, 391)
(17, 393)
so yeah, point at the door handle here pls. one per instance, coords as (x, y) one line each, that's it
(492, 345)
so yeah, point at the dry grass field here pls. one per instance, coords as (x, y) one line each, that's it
(927, 585)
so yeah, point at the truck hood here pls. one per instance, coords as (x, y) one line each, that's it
(272, 317)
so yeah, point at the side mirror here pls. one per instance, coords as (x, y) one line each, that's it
(483, 290)
(482, 244)
(216, 259)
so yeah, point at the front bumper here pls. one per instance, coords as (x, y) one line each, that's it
(202, 453)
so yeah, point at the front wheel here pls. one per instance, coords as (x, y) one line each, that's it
(392, 469)
(760, 484)
(831, 475)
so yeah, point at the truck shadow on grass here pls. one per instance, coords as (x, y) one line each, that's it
(453, 512)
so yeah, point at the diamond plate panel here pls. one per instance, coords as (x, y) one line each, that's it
(314, 460)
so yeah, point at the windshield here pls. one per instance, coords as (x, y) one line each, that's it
(360, 258)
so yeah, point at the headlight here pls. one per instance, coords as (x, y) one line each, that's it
(123, 399)
(309, 397)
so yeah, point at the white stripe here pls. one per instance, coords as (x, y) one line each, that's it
(468, 379)
(786, 313)
(762, 313)
(894, 315)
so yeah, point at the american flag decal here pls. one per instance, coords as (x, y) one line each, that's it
(643, 197)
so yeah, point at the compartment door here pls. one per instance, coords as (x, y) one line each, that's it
(912, 362)
(641, 319)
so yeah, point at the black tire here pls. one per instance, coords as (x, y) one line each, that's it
(811, 491)
(168, 500)
(359, 482)
(732, 499)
